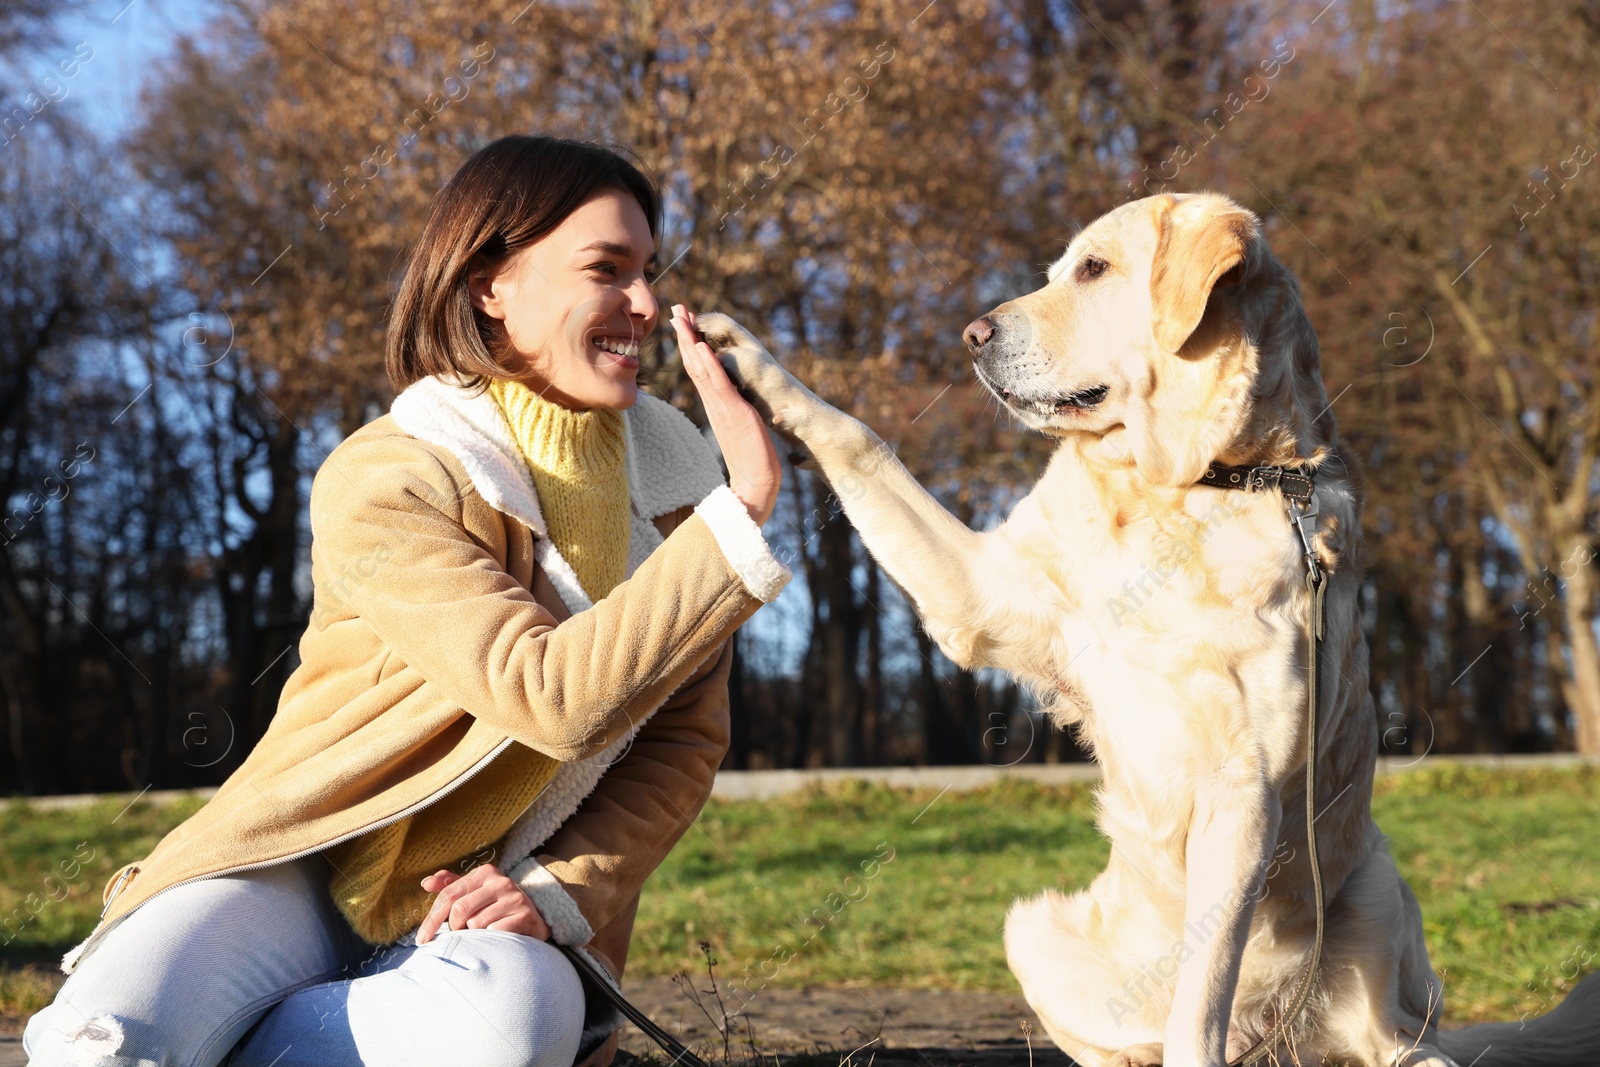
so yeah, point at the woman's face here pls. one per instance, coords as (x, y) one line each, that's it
(577, 305)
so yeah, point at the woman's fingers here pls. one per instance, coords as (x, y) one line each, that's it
(438, 880)
(697, 362)
(484, 898)
(468, 904)
(498, 909)
(698, 359)
(754, 472)
(456, 887)
(514, 913)
(701, 361)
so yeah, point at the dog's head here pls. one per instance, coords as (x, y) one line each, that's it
(1167, 337)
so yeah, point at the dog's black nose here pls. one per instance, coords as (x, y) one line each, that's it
(978, 332)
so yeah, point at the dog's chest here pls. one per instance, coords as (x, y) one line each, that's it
(1178, 615)
(1138, 563)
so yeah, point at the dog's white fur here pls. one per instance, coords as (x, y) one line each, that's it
(1166, 622)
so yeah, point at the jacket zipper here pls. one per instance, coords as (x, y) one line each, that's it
(101, 931)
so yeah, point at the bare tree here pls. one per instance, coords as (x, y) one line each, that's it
(1431, 204)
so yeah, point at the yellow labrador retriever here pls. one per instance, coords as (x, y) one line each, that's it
(1152, 589)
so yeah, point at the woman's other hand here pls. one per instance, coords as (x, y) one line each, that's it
(753, 471)
(482, 899)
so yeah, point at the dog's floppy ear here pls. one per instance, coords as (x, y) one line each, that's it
(1178, 426)
(1201, 241)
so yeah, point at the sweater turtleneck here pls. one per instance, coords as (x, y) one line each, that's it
(578, 460)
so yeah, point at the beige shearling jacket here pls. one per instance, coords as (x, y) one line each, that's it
(445, 626)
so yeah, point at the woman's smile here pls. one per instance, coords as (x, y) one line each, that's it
(625, 347)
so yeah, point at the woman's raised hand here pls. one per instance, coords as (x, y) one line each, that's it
(753, 470)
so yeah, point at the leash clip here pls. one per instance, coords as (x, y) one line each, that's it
(1299, 514)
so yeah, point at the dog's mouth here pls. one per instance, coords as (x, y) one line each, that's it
(1044, 408)
(1080, 400)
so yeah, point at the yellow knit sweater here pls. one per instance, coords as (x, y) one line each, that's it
(578, 463)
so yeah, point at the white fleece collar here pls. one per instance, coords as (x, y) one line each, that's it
(669, 465)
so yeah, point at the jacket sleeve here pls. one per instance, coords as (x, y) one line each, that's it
(388, 515)
(599, 859)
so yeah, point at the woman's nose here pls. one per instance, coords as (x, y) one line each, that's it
(640, 301)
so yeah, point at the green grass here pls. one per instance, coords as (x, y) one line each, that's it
(1507, 870)
(53, 867)
(747, 877)
(1504, 864)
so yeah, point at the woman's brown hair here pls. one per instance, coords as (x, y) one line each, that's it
(508, 195)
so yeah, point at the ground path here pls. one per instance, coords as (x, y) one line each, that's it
(931, 1028)
(917, 1028)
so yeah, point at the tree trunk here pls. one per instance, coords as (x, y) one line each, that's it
(841, 643)
(869, 736)
(738, 757)
(1581, 686)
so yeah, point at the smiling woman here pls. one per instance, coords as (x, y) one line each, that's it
(537, 249)
(512, 695)
(584, 309)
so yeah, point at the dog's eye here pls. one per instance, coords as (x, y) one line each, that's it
(1091, 268)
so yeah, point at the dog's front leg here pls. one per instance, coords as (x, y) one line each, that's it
(925, 549)
(1229, 845)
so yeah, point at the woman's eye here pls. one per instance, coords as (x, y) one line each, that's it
(605, 268)
(1091, 268)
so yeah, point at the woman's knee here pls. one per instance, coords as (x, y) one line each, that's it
(191, 968)
(525, 988)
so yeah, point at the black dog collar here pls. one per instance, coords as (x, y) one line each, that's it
(1292, 484)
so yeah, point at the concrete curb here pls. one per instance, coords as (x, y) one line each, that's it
(763, 785)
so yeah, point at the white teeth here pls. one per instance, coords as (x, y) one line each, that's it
(620, 348)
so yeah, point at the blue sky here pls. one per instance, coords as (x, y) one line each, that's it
(131, 41)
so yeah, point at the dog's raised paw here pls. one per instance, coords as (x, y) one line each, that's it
(757, 373)
(740, 353)
(1145, 1055)
(723, 332)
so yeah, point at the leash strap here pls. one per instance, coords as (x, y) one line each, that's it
(672, 1046)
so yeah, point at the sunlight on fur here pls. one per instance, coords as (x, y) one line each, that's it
(1165, 623)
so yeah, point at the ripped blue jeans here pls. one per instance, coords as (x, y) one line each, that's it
(261, 970)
